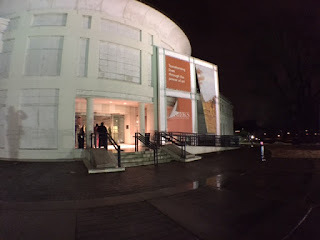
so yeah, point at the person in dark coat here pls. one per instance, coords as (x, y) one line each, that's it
(81, 137)
(102, 130)
(96, 135)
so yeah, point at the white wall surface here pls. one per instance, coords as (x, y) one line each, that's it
(226, 116)
(129, 11)
(55, 48)
(3, 99)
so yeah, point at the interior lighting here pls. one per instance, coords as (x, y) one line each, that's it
(125, 103)
(288, 133)
(278, 135)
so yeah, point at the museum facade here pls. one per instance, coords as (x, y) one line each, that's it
(69, 64)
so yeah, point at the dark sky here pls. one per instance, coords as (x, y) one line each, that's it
(238, 36)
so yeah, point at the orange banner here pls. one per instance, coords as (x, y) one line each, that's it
(178, 74)
(179, 112)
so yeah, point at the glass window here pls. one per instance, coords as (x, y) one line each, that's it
(44, 56)
(50, 19)
(119, 62)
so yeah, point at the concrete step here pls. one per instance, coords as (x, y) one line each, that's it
(175, 152)
(143, 163)
(100, 158)
(143, 158)
(101, 161)
(92, 169)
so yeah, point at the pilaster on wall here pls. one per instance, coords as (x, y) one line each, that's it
(142, 118)
(90, 120)
(3, 26)
(67, 82)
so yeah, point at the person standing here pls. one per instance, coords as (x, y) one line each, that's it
(81, 135)
(103, 138)
(96, 135)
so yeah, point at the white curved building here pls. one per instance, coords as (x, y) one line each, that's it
(69, 63)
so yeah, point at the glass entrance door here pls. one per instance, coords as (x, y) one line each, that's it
(118, 128)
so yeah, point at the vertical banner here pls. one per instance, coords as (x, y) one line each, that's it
(179, 112)
(208, 90)
(178, 74)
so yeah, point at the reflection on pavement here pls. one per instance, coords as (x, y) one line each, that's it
(195, 185)
(215, 181)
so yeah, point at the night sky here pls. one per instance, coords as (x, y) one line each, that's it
(253, 43)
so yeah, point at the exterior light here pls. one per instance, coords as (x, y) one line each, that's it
(278, 135)
(288, 133)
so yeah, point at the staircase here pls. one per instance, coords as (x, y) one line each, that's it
(175, 152)
(132, 159)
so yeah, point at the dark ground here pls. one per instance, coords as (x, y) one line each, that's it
(229, 195)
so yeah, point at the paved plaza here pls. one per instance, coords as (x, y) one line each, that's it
(226, 195)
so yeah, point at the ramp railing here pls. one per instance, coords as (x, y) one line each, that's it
(195, 139)
(164, 137)
(145, 139)
(103, 141)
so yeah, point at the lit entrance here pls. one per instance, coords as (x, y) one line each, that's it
(120, 117)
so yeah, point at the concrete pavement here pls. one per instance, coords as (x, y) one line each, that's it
(226, 195)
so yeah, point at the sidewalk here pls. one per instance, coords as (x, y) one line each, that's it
(29, 182)
(225, 195)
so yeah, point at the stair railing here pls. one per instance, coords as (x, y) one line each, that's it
(108, 138)
(116, 147)
(145, 139)
(169, 137)
(196, 139)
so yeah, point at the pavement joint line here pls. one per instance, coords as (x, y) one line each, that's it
(299, 224)
(176, 222)
(95, 202)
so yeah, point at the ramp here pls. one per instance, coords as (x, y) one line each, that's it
(100, 160)
(175, 152)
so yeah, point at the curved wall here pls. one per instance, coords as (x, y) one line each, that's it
(127, 11)
(56, 51)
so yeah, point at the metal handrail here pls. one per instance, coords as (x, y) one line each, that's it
(171, 138)
(146, 141)
(116, 146)
(113, 142)
(195, 139)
